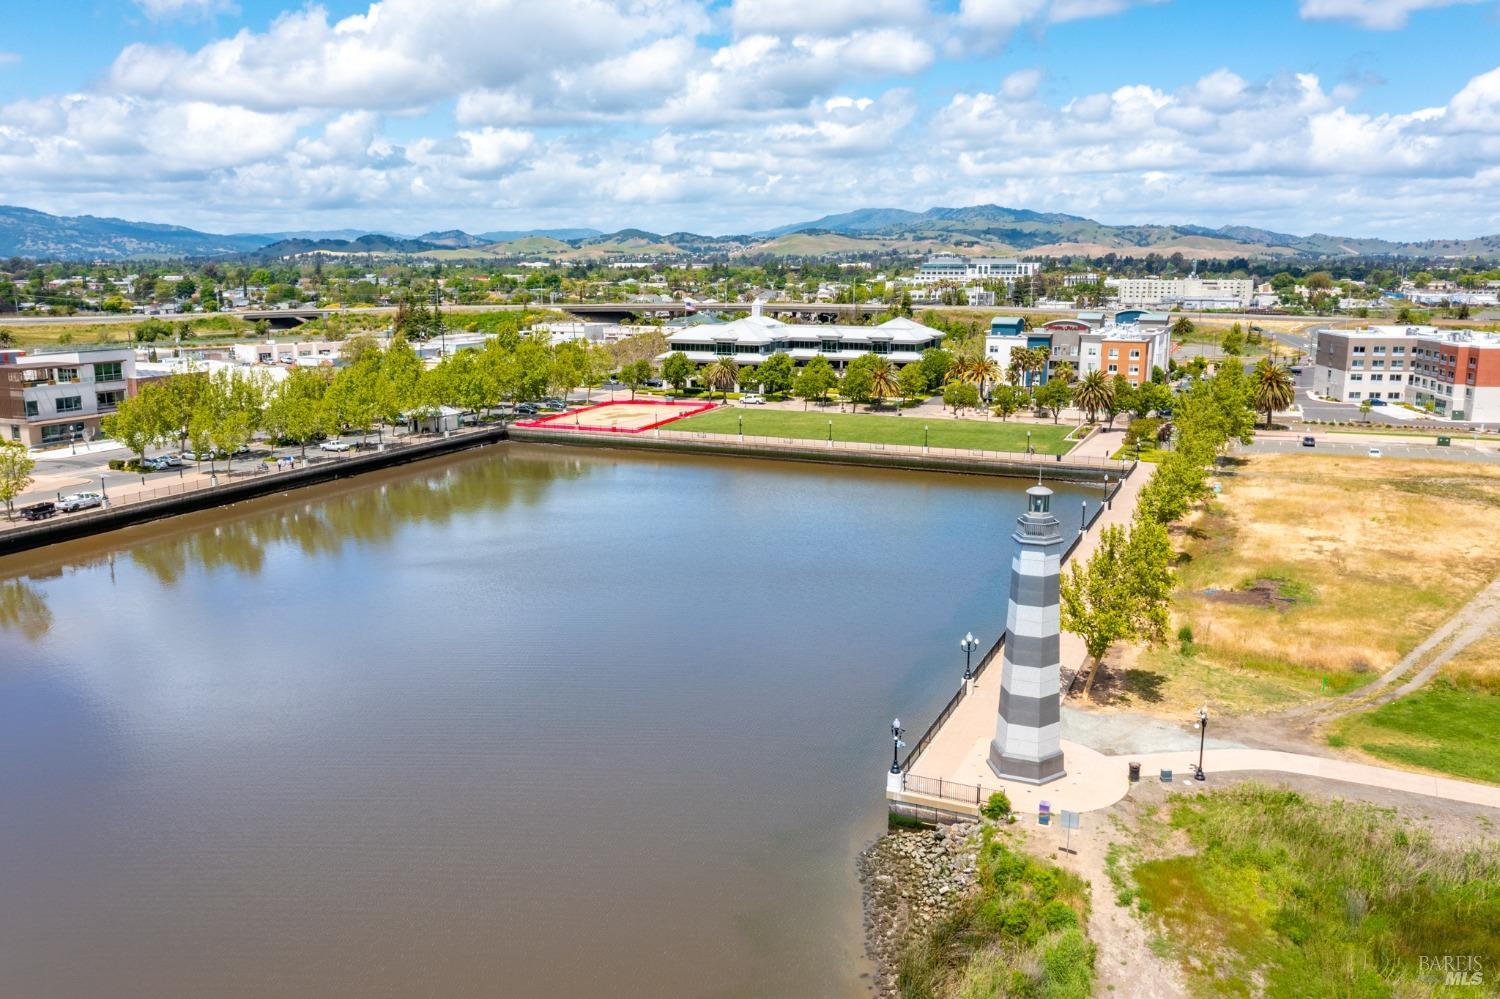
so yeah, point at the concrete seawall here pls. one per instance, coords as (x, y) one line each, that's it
(68, 527)
(728, 446)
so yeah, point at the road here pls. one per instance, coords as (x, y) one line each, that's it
(1329, 445)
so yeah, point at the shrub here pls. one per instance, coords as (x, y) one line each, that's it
(116, 465)
(998, 807)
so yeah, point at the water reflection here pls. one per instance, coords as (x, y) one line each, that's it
(23, 609)
(358, 511)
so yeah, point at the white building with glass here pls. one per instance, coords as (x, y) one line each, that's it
(757, 337)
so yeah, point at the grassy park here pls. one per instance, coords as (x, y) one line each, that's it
(988, 435)
(1310, 898)
(1315, 574)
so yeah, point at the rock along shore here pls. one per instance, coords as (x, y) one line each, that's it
(912, 879)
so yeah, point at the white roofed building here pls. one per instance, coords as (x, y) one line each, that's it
(756, 337)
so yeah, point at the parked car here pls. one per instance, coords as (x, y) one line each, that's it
(554, 405)
(168, 460)
(1309, 441)
(79, 501)
(334, 444)
(753, 400)
(528, 409)
(1374, 452)
(39, 511)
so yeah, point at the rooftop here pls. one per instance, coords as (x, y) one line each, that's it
(1472, 338)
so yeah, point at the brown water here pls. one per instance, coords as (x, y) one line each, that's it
(530, 721)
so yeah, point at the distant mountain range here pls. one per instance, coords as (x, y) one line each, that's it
(986, 229)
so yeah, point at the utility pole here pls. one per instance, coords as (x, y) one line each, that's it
(437, 317)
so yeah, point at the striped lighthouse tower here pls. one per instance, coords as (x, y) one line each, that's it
(1027, 733)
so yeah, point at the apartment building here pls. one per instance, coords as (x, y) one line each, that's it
(1129, 350)
(1188, 292)
(54, 398)
(1456, 373)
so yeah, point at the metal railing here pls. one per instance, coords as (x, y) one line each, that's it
(749, 441)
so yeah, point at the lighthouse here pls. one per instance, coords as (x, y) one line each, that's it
(1027, 744)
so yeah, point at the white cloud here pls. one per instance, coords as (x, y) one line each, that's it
(1021, 85)
(1378, 15)
(827, 17)
(9, 58)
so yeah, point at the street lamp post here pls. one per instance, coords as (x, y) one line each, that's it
(830, 433)
(896, 732)
(1083, 521)
(924, 438)
(1202, 726)
(742, 428)
(1028, 442)
(968, 643)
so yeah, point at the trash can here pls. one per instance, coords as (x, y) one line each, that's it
(1135, 771)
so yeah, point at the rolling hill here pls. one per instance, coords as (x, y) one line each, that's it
(976, 229)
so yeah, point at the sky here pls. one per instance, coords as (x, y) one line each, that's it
(1354, 117)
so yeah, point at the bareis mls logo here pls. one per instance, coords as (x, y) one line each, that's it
(1451, 969)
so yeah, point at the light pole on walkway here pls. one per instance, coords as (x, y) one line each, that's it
(968, 643)
(896, 732)
(1202, 726)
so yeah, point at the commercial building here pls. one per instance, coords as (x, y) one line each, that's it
(1129, 350)
(54, 398)
(1455, 373)
(950, 268)
(756, 337)
(1189, 292)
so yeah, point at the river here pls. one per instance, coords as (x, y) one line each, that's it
(527, 721)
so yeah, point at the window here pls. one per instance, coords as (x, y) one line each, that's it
(31, 409)
(59, 432)
(1359, 350)
(1113, 353)
(1354, 395)
(67, 375)
(69, 404)
(15, 431)
(1114, 368)
(1393, 395)
(1377, 364)
(1380, 350)
(108, 371)
(1357, 364)
(881, 348)
(829, 347)
(1356, 378)
(110, 399)
(1397, 351)
(723, 349)
(1135, 355)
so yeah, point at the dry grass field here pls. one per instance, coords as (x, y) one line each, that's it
(1315, 573)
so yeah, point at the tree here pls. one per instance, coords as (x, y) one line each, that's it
(858, 383)
(1065, 372)
(814, 381)
(16, 467)
(1182, 328)
(1006, 399)
(883, 378)
(936, 363)
(1120, 593)
(677, 369)
(1054, 395)
(1093, 394)
(1365, 405)
(1233, 343)
(1150, 397)
(723, 374)
(635, 374)
(776, 373)
(959, 395)
(139, 421)
(1271, 388)
(296, 410)
(1120, 398)
(911, 381)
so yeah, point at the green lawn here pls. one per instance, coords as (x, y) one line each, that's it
(989, 435)
(1440, 727)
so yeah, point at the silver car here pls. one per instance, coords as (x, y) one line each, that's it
(79, 501)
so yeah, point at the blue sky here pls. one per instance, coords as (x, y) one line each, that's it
(1359, 117)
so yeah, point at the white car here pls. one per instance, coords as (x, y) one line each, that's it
(79, 501)
(753, 400)
(335, 444)
(1374, 452)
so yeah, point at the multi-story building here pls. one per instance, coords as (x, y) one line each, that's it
(1188, 292)
(1456, 373)
(950, 268)
(756, 337)
(53, 398)
(1129, 350)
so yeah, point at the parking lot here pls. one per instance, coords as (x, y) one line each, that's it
(1330, 444)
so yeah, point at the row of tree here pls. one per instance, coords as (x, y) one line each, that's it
(1123, 590)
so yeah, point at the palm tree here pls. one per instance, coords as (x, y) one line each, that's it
(883, 378)
(723, 374)
(1182, 328)
(1094, 393)
(981, 371)
(1065, 372)
(1271, 388)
